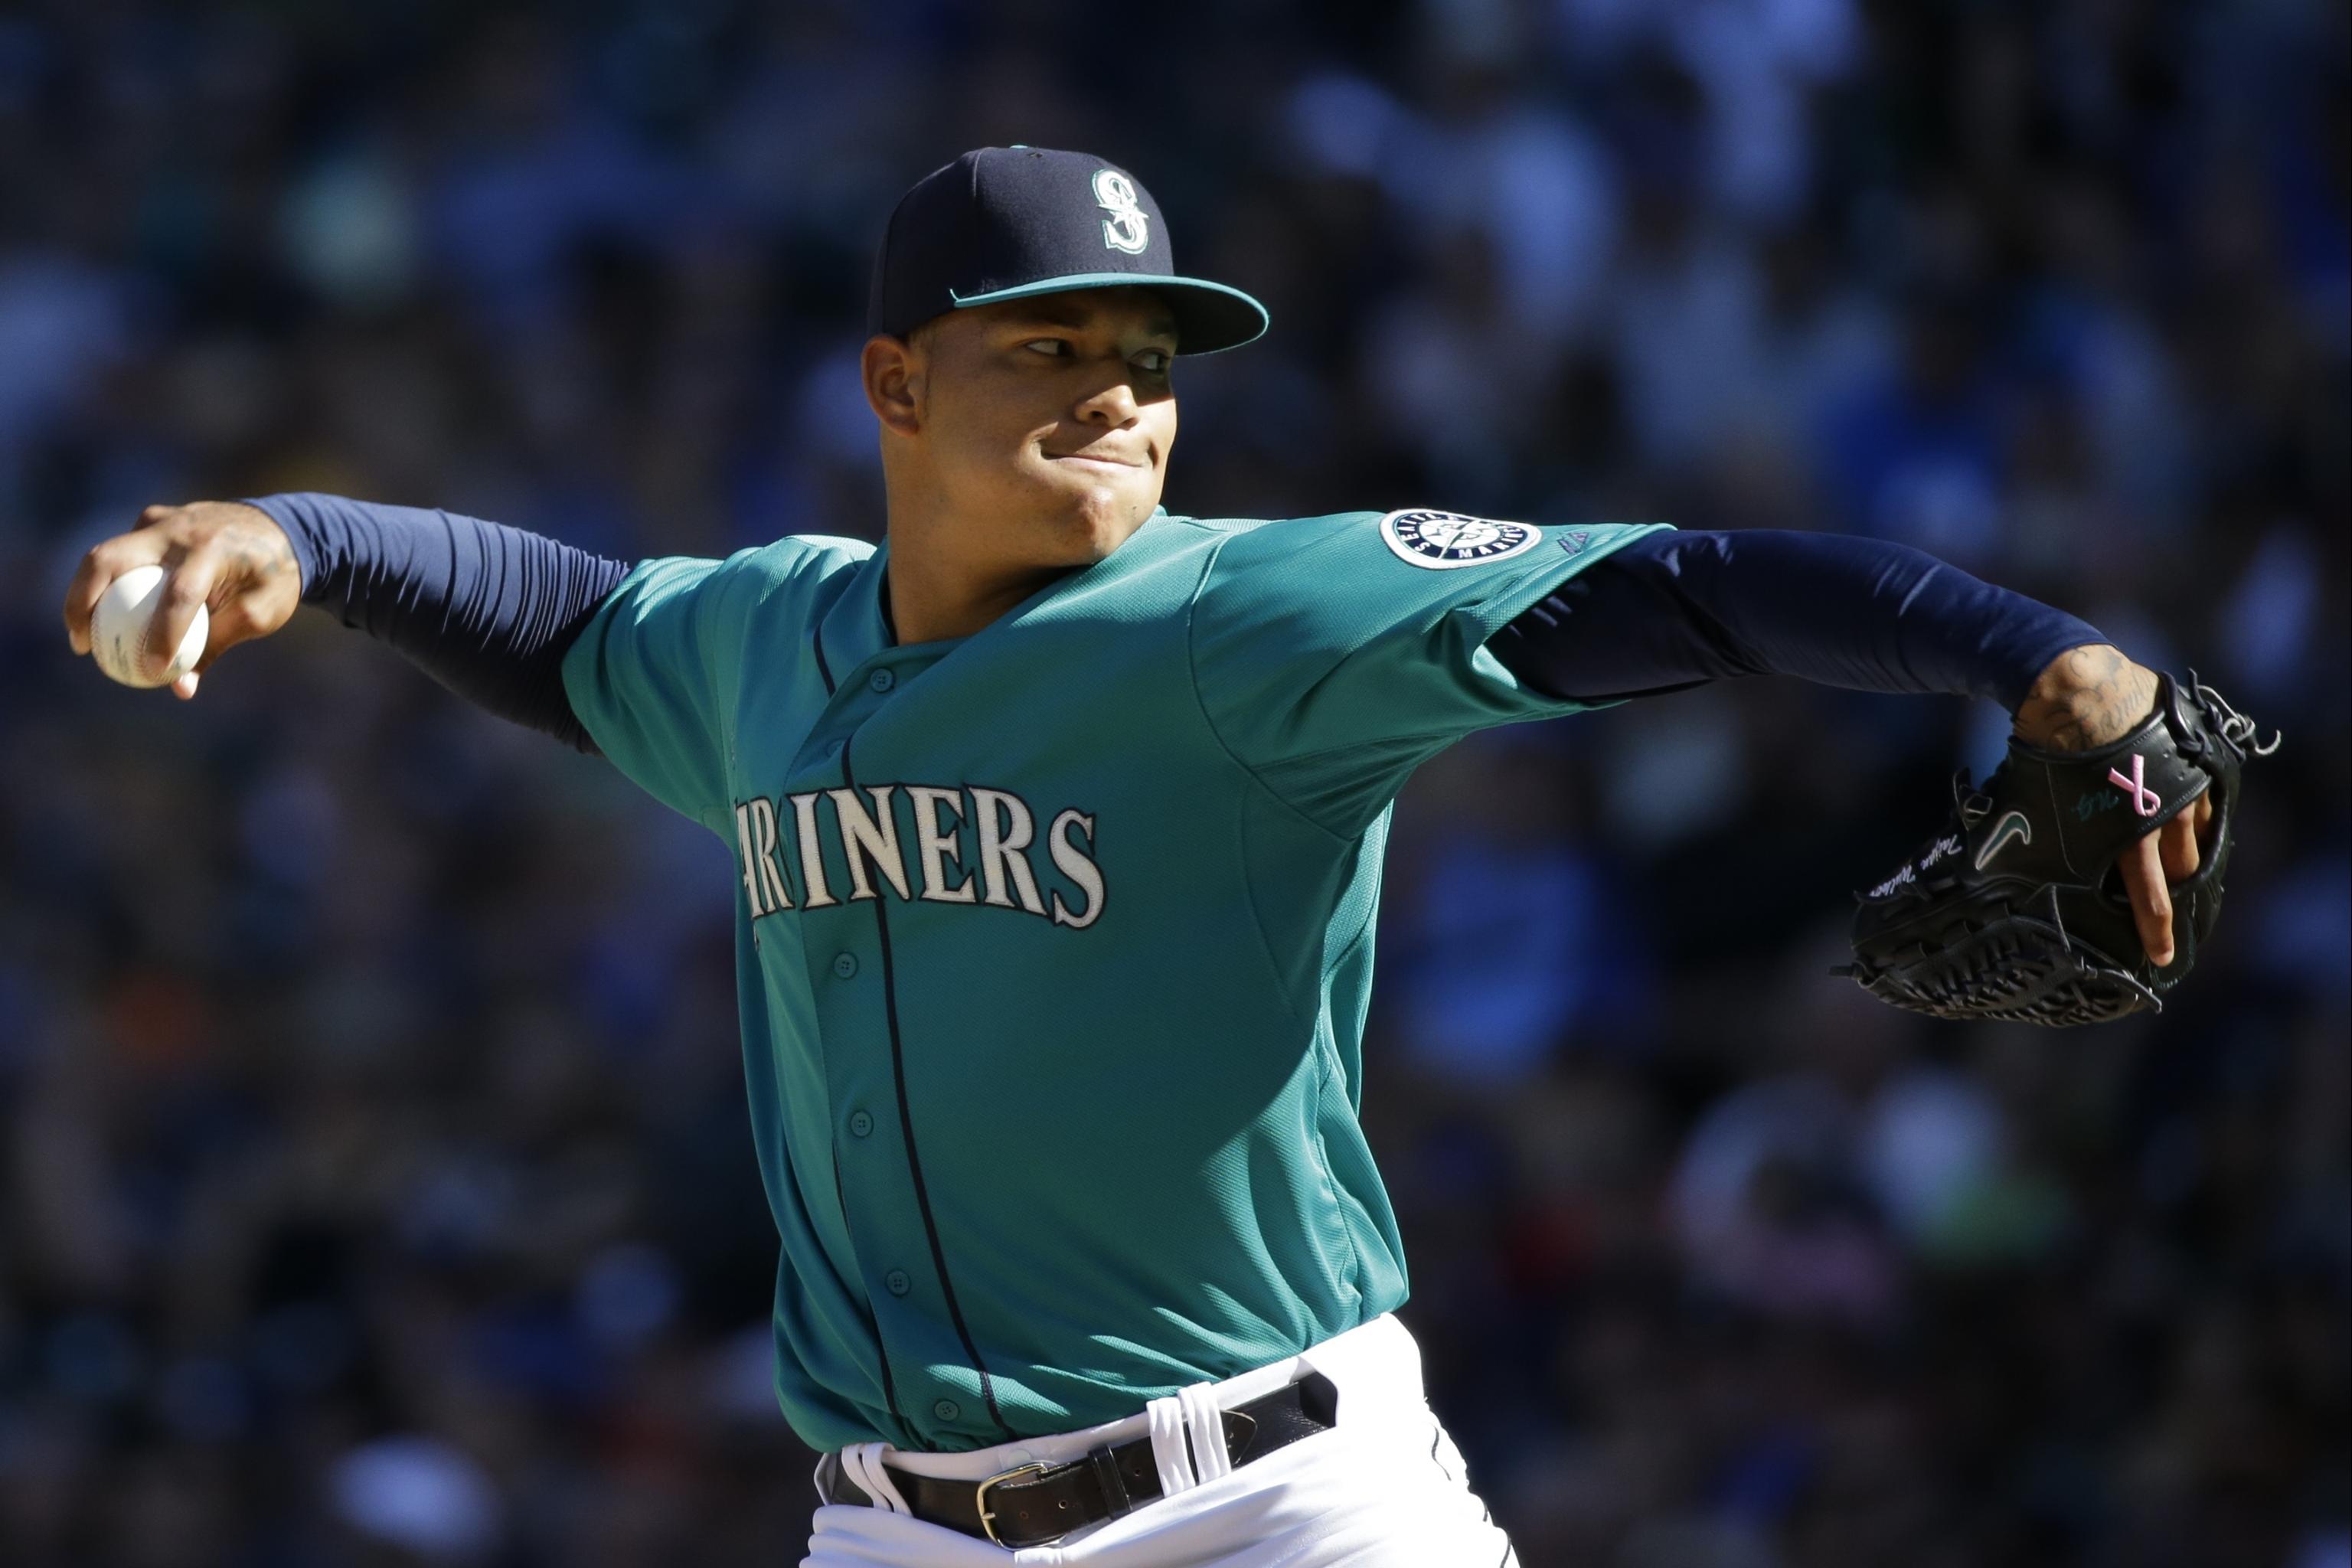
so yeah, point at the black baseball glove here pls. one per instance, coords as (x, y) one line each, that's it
(2016, 911)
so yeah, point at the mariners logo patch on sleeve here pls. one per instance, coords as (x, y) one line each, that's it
(1443, 539)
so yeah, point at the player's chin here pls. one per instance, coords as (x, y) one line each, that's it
(1096, 517)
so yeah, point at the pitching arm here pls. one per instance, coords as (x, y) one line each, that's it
(487, 611)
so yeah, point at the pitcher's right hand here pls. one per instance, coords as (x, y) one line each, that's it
(231, 558)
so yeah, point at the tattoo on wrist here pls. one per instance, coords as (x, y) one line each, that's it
(2088, 697)
(262, 551)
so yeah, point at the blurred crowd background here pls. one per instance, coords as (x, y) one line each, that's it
(375, 1186)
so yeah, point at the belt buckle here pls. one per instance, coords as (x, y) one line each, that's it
(987, 1519)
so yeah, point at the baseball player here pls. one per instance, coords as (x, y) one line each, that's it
(1057, 823)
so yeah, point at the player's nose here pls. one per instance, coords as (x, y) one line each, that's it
(1112, 405)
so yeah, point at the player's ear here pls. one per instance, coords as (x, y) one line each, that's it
(893, 372)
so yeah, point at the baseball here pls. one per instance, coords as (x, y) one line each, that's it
(119, 627)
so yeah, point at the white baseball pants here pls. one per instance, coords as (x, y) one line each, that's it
(1384, 1488)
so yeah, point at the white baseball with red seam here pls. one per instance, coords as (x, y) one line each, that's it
(118, 629)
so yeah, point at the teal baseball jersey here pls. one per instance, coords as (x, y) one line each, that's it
(1054, 942)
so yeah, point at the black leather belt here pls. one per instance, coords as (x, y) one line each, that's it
(1030, 1505)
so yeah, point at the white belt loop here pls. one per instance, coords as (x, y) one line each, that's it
(1167, 1416)
(1206, 1423)
(862, 1462)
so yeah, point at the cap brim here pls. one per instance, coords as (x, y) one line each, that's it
(1209, 316)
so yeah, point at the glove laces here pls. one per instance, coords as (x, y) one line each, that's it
(1967, 800)
(2235, 727)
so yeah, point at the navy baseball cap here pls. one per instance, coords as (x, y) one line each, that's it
(1007, 223)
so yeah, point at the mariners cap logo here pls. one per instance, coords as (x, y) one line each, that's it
(1443, 539)
(1128, 228)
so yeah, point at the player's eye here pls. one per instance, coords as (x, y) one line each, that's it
(1155, 361)
(1053, 348)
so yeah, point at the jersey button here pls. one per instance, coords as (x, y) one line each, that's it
(881, 680)
(845, 964)
(860, 1123)
(896, 1282)
(947, 1410)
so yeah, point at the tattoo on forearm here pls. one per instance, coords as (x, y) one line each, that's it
(263, 552)
(2089, 696)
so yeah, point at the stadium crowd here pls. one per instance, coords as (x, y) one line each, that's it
(375, 1186)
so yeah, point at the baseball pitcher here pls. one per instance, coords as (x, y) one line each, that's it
(1057, 823)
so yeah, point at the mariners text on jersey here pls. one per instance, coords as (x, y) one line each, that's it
(1054, 942)
(948, 828)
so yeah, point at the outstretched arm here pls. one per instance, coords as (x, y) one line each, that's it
(487, 610)
(484, 609)
(1672, 610)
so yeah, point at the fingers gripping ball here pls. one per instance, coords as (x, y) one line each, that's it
(2015, 911)
(117, 630)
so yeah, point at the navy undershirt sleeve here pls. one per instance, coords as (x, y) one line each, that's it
(489, 611)
(486, 610)
(1674, 609)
